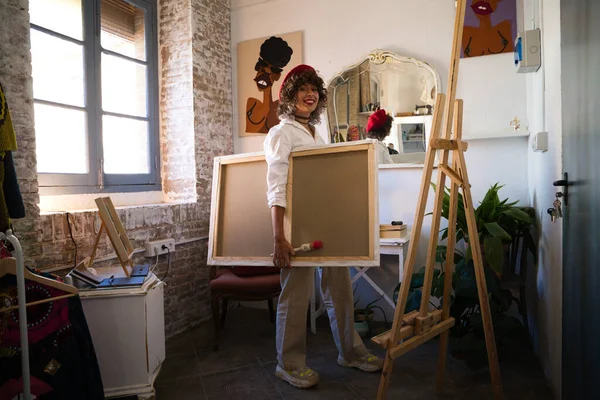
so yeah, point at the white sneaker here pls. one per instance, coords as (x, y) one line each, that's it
(368, 363)
(301, 378)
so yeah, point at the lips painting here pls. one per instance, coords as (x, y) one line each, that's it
(482, 8)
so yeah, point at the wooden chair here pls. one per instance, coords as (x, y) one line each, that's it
(241, 284)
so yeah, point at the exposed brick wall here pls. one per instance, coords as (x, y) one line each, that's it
(177, 99)
(213, 116)
(15, 76)
(195, 126)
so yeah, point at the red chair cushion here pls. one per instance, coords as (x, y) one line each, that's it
(253, 271)
(226, 281)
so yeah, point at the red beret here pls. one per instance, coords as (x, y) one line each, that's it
(377, 120)
(296, 70)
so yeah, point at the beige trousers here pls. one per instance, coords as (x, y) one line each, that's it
(296, 288)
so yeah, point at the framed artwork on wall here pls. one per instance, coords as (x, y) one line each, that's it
(490, 28)
(261, 66)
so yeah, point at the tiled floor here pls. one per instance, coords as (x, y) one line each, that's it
(244, 368)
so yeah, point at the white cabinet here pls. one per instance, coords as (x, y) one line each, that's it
(127, 328)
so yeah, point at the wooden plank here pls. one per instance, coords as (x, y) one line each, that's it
(383, 339)
(96, 242)
(451, 246)
(409, 319)
(287, 215)
(453, 68)
(441, 178)
(450, 173)
(331, 149)
(433, 237)
(214, 211)
(412, 248)
(298, 262)
(113, 235)
(448, 144)
(425, 324)
(484, 304)
(416, 341)
(118, 224)
(237, 160)
(35, 303)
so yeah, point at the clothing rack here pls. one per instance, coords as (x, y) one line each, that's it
(22, 311)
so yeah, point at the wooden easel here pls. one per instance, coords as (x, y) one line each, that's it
(116, 233)
(417, 327)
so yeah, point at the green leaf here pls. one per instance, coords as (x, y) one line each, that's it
(440, 253)
(485, 210)
(416, 281)
(460, 235)
(468, 255)
(518, 215)
(413, 301)
(496, 231)
(437, 288)
(494, 253)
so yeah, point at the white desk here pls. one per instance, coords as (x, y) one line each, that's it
(393, 246)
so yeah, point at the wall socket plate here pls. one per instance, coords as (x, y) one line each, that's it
(155, 247)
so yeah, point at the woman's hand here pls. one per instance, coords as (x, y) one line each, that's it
(282, 250)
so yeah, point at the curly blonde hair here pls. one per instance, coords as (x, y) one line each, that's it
(287, 98)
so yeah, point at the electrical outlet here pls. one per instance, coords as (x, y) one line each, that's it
(155, 247)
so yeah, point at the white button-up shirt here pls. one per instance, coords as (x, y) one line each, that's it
(281, 140)
(384, 153)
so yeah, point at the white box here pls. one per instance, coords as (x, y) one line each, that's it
(528, 51)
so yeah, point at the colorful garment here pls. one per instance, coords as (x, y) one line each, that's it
(10, 194)
(63, 362)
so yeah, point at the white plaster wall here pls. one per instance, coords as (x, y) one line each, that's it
(338, 32)
(545, 113)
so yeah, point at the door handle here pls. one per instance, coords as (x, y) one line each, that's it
(564, 183)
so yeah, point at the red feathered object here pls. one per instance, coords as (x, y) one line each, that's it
(377, 120)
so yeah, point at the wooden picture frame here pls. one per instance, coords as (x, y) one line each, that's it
(334, 188)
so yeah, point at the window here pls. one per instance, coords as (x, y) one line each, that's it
(95, 89)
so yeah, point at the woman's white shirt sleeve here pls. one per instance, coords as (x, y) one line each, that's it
(278, 147)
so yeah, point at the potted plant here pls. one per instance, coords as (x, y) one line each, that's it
(497, 223)
(363, 317)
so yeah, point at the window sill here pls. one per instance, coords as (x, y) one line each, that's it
(51, 204)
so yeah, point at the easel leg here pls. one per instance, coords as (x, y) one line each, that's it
(388, 365)
(433, 237)
(484, 303)
(452, 211)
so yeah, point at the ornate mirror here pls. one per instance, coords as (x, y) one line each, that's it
(405, 87)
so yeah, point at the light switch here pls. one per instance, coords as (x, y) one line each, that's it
(539, 142)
